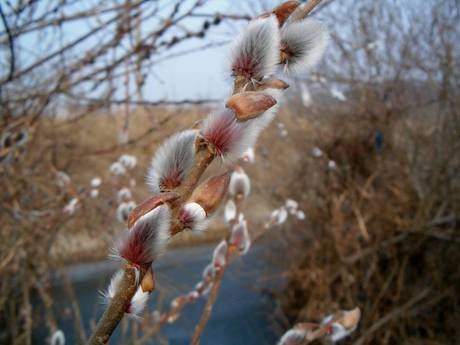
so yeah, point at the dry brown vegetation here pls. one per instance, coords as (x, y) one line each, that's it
(383, 229)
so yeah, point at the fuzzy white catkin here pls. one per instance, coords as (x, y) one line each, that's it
(112, 288)
(300, 215)
(117, 169)
(174, 156)
(257, 44)
(58, 338)
(219, 256)
(229, 211)
(94, 193)
(292, 337)
(128, 161)
(240, 237)
(316, 152)
(193, 295)
(149, 234)
(229, 137)
(306, 40)
(138, 303)
(239, 183)
(72, 206)
(339, 332)
(197, 214)
(249, 155)
(282, 216)
(62, 179)
(332, 165)
(291, 205)
(124, 194)
(208, 272)
(95, 182)
(337, 94)
(123, 211)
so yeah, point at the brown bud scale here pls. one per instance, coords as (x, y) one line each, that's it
(148, 205)
(250, 104)
(210, 194)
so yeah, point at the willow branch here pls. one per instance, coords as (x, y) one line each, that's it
(306, 10)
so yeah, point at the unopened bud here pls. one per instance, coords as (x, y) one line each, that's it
(230, 211)
(148, 283)
(240, 237)
(249, 155)
(209, 195)
(283, 11)
(342, 323)
(193, 216)
(208, 272)
(219, 257)
(178, 302)
(277, 84)
(250, 104)
(349, 319)
(193, 296)
(239, 183)
(147, 205)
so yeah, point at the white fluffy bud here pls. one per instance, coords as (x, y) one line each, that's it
(172, 161)
(291, 205)
(58, 338)
(255, 52)
(117, 169)
(219, 256)
(240, 237)
(230, 211)
(303, 44)
(128, 161)
(193, 216)
(95, 182)
(239, 183)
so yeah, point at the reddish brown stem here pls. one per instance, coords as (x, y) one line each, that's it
(306, 10)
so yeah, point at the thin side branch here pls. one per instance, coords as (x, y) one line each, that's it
(306, 10)
(10, 44)
(208, 308)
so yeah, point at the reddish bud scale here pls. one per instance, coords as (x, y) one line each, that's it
(211, 193)
(148, 282)
(250, 104)
(149, 204)
(277, 84)
(283, 11)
